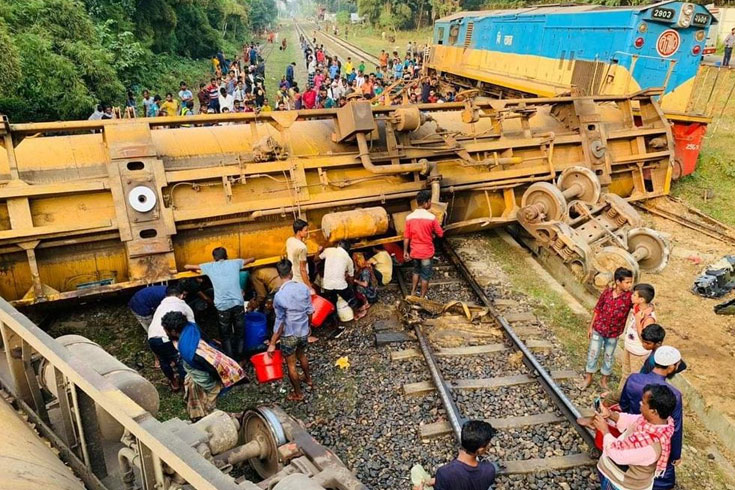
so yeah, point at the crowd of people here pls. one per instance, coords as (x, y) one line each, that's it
(173, 315)
(238, 85)
(640, 420)
(396, 79)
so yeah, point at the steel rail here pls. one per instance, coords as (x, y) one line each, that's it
(348, 46)
(567, 408)
(456, 420)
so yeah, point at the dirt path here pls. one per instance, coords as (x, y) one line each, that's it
(704, 338)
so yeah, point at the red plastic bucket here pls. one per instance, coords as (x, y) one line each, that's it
(687, 143)
(599, 436)
(322, 309)
(268, 367)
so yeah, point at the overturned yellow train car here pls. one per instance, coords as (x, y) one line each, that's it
(88, 207)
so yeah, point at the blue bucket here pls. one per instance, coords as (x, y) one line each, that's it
(256, 330)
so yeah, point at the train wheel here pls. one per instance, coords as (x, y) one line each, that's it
(608, 259)
(649, 248)
(263, 425)
(579, 183)
(542, 202)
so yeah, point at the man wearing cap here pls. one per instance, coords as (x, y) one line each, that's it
(668, 363)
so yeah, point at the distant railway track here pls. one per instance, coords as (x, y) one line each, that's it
(355, 51)
(449, 390)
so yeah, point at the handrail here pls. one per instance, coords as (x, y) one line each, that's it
(184, 460)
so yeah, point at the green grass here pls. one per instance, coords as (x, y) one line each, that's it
(715, 174)
(277, 61)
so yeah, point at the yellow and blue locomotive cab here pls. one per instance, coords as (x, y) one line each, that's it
(545, 51)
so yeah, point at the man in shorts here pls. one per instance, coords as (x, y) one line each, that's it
(418, 241)
(293, 307)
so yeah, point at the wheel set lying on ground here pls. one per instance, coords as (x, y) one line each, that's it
(593, 232)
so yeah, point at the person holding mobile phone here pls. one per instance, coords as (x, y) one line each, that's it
(632, 460)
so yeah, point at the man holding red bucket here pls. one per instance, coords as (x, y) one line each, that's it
(293, 308)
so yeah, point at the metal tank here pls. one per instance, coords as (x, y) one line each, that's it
(89, 207)
(127, 380)
(27, 462)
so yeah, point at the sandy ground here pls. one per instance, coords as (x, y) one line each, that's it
(704, 338)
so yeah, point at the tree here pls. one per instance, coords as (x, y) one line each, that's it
(370, 9)
(343, 17)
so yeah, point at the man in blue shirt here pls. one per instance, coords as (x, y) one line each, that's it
(290, 73)
(668, 363)
(144, 303)
(225, 276)
(293, 308)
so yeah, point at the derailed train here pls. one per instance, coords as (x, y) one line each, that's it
(546, 51)
(91, 207)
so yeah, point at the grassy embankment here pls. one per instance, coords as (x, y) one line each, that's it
(371, 40)
(712, 187)
(277, 60)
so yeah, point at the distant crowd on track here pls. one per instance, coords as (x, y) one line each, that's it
(396, 79)
(238, 85)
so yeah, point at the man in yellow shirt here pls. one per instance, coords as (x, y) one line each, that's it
(348, 66)
(171, 106)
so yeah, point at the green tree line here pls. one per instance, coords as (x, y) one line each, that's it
(62, 57)
(410, 14)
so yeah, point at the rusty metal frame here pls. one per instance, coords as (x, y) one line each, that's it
(127, 141)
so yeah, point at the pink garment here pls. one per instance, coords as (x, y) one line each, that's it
(643, 456)
(318, 79)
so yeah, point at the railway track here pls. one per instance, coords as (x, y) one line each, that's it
(464, 398)
(356, 52)
(676, 210)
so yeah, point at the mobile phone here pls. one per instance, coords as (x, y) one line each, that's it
(598, 402)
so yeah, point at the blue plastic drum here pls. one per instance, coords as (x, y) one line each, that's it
(256, 330)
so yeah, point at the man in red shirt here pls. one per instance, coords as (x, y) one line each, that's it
(309, 98)
(418, 241)
(608, 322)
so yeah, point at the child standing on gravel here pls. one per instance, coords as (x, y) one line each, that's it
(642, 315)
(608, 322)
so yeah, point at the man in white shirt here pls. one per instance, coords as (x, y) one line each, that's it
(185, 94)
(159, 342)
(226, 100)
(296, 252)
(338, 275)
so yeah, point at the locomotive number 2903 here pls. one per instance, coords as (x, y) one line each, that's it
(662, 14)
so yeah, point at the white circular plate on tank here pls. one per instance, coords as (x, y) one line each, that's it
(142, 199)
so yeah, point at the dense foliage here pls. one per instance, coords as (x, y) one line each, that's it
(404, 14)
(61, 57)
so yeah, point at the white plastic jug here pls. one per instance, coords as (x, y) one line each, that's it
(344, 312)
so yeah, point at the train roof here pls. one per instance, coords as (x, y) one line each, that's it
(556, 9)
